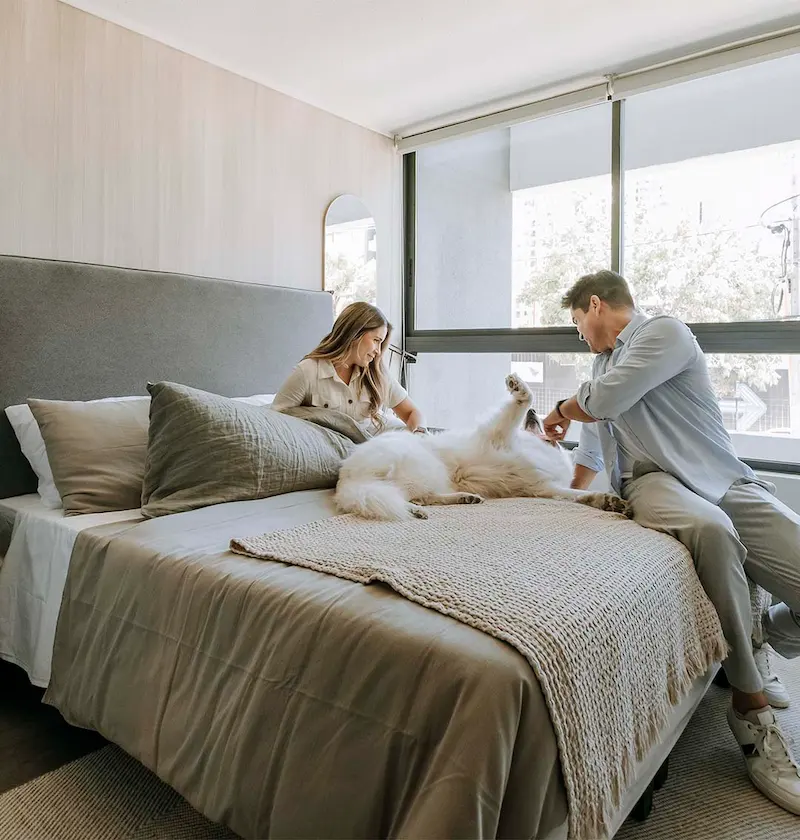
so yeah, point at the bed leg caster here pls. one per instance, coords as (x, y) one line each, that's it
(660, 778)
(720, 679)
(641, 810)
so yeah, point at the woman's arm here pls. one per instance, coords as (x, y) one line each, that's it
(397, 397)
(409, 414)
(293, 392)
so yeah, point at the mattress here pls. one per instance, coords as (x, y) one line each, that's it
(35, 561)
(37, 553)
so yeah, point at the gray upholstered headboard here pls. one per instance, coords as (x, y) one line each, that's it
(75, 332)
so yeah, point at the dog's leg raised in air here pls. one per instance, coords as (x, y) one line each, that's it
(499, 429)
(448, 499)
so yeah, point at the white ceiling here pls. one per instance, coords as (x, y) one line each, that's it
(398, 66)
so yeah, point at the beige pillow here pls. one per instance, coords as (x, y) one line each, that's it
(205, 449)
(96, 451)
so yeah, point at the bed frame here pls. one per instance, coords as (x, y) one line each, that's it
(74, 331)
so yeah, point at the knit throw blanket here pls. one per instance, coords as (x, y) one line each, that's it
(611, 617)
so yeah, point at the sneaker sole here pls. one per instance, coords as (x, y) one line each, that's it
(777, 702)
(793, 807)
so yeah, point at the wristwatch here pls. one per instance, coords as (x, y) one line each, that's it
(558, 408)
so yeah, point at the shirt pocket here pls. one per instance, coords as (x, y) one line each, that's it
(324, 401)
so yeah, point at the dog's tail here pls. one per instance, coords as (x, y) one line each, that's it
(372, 499)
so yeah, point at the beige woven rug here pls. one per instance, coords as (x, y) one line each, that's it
(105, 795)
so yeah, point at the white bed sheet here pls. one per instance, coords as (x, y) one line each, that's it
(34, 571)
(32, 578)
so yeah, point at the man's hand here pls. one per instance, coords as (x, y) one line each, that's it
(557, 421)
(555, 425)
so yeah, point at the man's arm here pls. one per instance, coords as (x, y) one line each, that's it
(588, 458)
(582, 477)
(660, 350)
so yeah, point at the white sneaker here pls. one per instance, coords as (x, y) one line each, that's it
(774, 689)
(770, 764)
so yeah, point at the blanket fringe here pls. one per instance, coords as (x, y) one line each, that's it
(597, 824)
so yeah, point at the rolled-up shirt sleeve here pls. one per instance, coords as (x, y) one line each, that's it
(659, 351)
(294, 391)
(589, 453)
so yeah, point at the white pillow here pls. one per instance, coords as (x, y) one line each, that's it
(33, 448)
(257, 399)
(32, 445)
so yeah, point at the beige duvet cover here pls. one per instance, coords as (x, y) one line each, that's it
(289, 703)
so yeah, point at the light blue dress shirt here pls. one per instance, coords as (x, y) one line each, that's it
(653, 393)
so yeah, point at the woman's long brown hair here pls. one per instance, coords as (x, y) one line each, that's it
(355, 320)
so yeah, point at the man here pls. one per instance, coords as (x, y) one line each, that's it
(651, 418)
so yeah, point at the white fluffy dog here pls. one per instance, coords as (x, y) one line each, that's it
(393, 475)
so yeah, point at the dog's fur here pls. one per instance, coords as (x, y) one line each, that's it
(395, 474)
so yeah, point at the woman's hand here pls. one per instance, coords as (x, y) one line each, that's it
(409, 414)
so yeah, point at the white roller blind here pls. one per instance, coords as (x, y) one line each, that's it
(770, 48)
(561, 148)
(740, 109)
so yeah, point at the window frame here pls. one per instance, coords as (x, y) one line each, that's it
(764, 337)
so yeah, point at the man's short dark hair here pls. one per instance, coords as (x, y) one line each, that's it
(609, 286)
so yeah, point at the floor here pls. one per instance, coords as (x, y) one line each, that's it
(707, 795)
(34, 738)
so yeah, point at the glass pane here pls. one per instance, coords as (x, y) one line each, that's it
(759, 394)
(457, 390)
(760, 400)
(506, 220)
(712, 196)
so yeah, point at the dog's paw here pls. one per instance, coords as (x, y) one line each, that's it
(615, 504)
(417, 512)
(518, 389)
(469, 499)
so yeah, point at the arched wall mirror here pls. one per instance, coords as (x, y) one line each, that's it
(350, 252)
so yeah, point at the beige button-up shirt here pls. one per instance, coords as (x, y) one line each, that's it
(315, 382)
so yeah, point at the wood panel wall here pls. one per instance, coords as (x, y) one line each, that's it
(116, 149)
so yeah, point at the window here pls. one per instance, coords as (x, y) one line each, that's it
(691, 190)
(560, 232)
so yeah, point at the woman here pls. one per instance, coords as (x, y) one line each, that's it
(346, 372)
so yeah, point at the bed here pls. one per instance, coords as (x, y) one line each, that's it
(311, 716)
